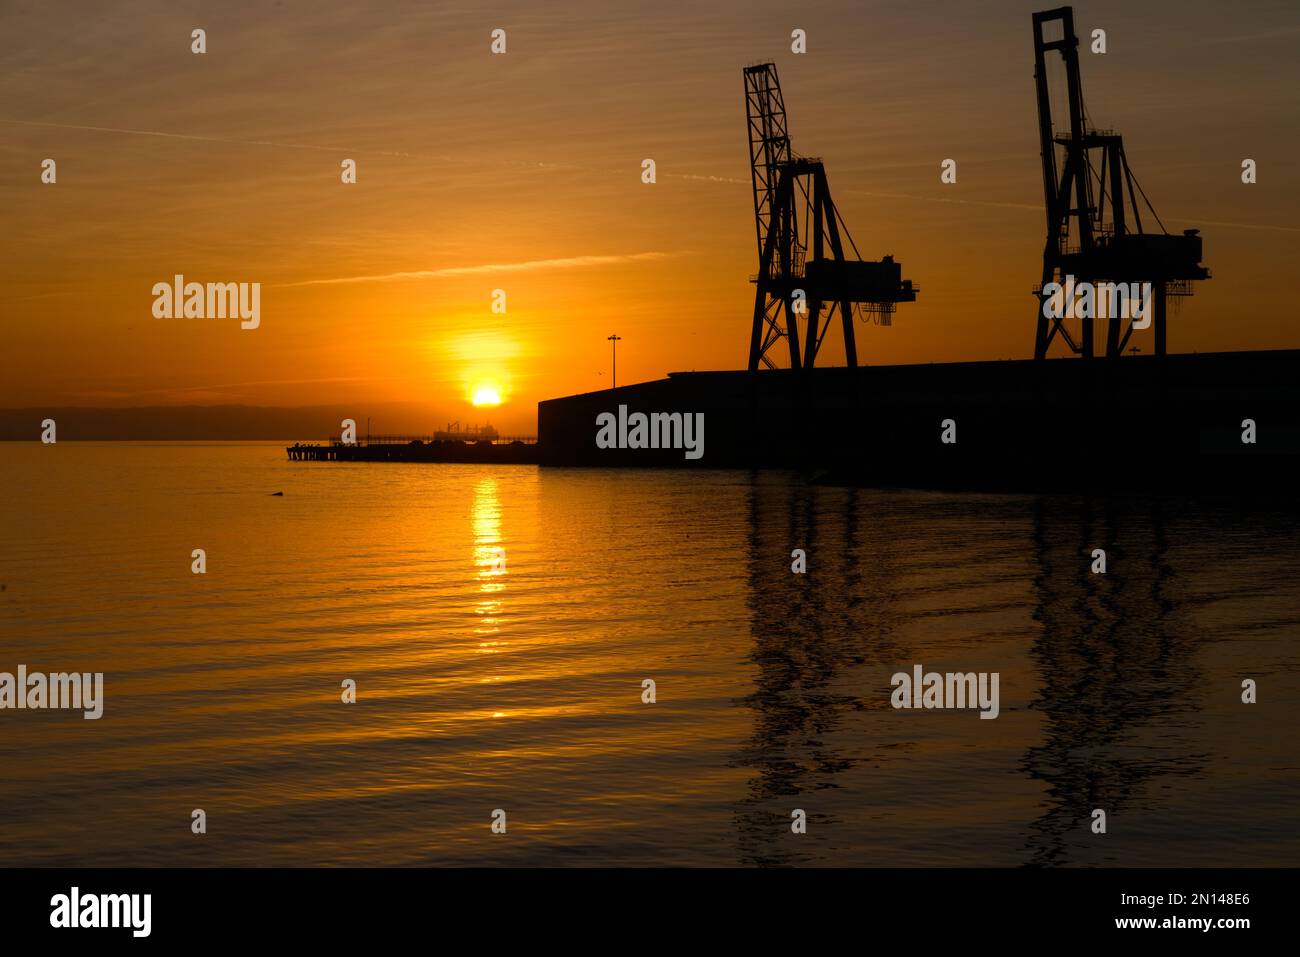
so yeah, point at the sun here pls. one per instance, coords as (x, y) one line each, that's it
(486, 395)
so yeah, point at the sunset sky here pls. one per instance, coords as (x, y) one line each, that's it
(522, 172)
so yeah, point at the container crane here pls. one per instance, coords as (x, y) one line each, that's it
(1095, 231)
(793, 209)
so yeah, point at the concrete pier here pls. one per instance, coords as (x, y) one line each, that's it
(1136, 423)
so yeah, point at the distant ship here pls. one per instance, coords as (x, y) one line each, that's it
(472, 433)
(474, 444)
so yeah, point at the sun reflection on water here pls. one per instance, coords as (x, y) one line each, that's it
(489, 560)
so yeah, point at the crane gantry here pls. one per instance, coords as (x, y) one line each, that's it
(804, 270)
(1095, 233)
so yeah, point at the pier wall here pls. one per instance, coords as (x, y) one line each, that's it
(1130, 423)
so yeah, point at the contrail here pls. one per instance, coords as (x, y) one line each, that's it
(347, 151)
(525, 164)
(201, 139)
(531, 265)
(315, 147)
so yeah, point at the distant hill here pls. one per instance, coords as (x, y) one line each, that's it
(223, 422)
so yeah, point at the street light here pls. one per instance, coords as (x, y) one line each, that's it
(614, 340)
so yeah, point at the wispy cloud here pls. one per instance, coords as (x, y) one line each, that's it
(198, 138)
(531, 265)
(353, 150)
(502, 162)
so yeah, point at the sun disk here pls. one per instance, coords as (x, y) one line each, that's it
(486, 395)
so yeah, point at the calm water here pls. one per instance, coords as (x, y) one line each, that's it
(481, 688)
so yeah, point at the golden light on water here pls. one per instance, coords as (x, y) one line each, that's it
(489, 559)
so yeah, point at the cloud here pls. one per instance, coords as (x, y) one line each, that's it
(201, 139)
(476, 161)
(531, 265)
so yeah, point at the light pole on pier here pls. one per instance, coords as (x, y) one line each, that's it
(614, 340)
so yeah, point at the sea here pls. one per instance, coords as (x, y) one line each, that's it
(386, 664)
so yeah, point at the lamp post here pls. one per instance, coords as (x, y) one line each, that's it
(614, 340)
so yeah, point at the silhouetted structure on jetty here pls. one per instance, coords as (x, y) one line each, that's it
(521, 450)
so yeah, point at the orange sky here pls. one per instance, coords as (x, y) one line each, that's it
(522, 172)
